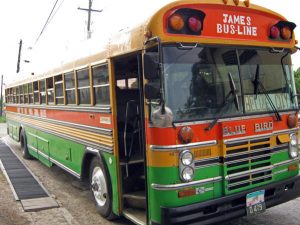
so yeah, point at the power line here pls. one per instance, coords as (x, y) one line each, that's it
(56, 11)
(47, 22)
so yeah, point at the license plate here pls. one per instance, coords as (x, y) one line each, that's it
(255, 203)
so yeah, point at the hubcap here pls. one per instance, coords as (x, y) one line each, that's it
(99, 187)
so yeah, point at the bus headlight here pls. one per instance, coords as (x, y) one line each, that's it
(186, 165)
(293, 146)
(186, 158)
(187, 174)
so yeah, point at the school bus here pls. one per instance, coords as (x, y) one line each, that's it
(188, 118)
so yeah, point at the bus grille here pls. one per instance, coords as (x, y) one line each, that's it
(248, 163)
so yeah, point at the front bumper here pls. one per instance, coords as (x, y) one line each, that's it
(229, 207)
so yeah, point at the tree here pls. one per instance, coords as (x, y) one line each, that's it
(297, 79)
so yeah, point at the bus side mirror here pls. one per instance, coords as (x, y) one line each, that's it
(151, 65)
(152, 90)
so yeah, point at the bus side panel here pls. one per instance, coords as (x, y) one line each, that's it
(13, 128)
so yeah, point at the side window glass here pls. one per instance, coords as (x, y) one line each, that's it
(83, 86)
(36, 92)
(70, 88)
(50, 90)
(101, 85)
(59, 94)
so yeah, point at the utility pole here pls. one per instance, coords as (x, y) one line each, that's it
(89, 10)
(1, 103)
(19, 55)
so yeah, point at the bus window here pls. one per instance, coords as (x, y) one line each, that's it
(21, 94)
(83, 86)
(101, 85)
(70, 88)
(30, 95)
(42, 92)
(36, 92)
(59, 94)
(50, 90)
(25, 88)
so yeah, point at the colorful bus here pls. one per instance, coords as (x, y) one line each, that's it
(189, 118)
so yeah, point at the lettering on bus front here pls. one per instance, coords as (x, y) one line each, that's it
(260, 103)
(234, 130)
(236, 25)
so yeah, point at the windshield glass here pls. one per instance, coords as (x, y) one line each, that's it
(197, 83)
(275, 77)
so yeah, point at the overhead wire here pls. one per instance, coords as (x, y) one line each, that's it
(47, 22)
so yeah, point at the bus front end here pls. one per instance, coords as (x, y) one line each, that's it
(221, 126)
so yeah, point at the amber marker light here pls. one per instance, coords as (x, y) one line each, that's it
(225, 1)
(236, 2)
(247, 3)
(293, 167)
(148, 34)
(186, 135)
(286, 33)
(176, 22)
(292, 121)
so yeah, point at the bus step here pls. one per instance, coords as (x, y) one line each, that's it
(135, 199)
(137, 216)
(132, 162)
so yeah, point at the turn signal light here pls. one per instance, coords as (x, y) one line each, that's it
(286, 33)
(292, 121)
(176, 22)
(186, 135)
(282, 31)
(185, 21)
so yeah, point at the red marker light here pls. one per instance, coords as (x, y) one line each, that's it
(176, 22)
(274, 32)
(194, 24)
(286, 33)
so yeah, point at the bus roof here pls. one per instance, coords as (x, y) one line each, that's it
(132, 39)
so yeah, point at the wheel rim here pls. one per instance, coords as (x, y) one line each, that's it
(99, 187)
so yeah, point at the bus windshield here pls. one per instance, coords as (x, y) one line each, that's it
(197, 84)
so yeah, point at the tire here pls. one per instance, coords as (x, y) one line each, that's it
(24, 149)
(101, 189)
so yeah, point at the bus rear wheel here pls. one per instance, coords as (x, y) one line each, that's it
(24, 149)
(101, 188)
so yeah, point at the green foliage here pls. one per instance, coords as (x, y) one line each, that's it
(2, 119)
(297, 80)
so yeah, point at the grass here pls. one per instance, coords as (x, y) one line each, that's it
(2, 119)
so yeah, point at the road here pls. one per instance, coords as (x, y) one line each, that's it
(77, 207)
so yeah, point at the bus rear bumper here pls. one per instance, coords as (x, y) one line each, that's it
(229, 207)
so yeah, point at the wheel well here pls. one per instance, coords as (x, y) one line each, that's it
(85, 168)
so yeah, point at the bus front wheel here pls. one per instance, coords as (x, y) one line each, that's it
(101, 188)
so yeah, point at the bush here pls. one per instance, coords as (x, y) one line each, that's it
(297, 80)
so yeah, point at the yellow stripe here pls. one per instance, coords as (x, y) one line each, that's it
(72, 132)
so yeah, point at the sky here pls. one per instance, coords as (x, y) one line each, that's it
(24, 19)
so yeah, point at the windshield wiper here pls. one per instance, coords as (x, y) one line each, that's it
(227, 102)
(257, 84)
